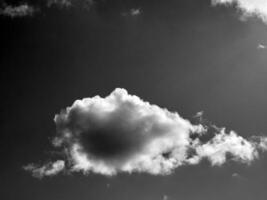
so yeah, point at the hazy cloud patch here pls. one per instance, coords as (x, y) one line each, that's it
(123, 133)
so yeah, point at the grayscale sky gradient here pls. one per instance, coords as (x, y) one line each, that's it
(187, 56)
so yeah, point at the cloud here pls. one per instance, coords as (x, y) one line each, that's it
(165, 197)
(17, 11)
(135, 11)
(28, 9)
(261, 46)
(69, 3)
(132, 12)
(235, 175)
(123, 133)
(248, 7)
(223, 145)
(61, 3)
(49, 169)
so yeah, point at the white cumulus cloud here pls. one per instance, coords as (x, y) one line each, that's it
(248, 7)
(123, 133)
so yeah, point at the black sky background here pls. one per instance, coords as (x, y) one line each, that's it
(183, 55)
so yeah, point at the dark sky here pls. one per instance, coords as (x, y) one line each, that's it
(186, 56)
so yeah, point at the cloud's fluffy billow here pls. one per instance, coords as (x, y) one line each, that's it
(123, 133)
(248, 7)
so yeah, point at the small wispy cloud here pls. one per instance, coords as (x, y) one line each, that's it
(132, 12)
(235, 175)
(17, 11)
(49, 169)
(239, 177)
(165, 197)
(261, 46)
(123, 133)
(28, 9)
(248, 8)
(60, 3)
(135, 11)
